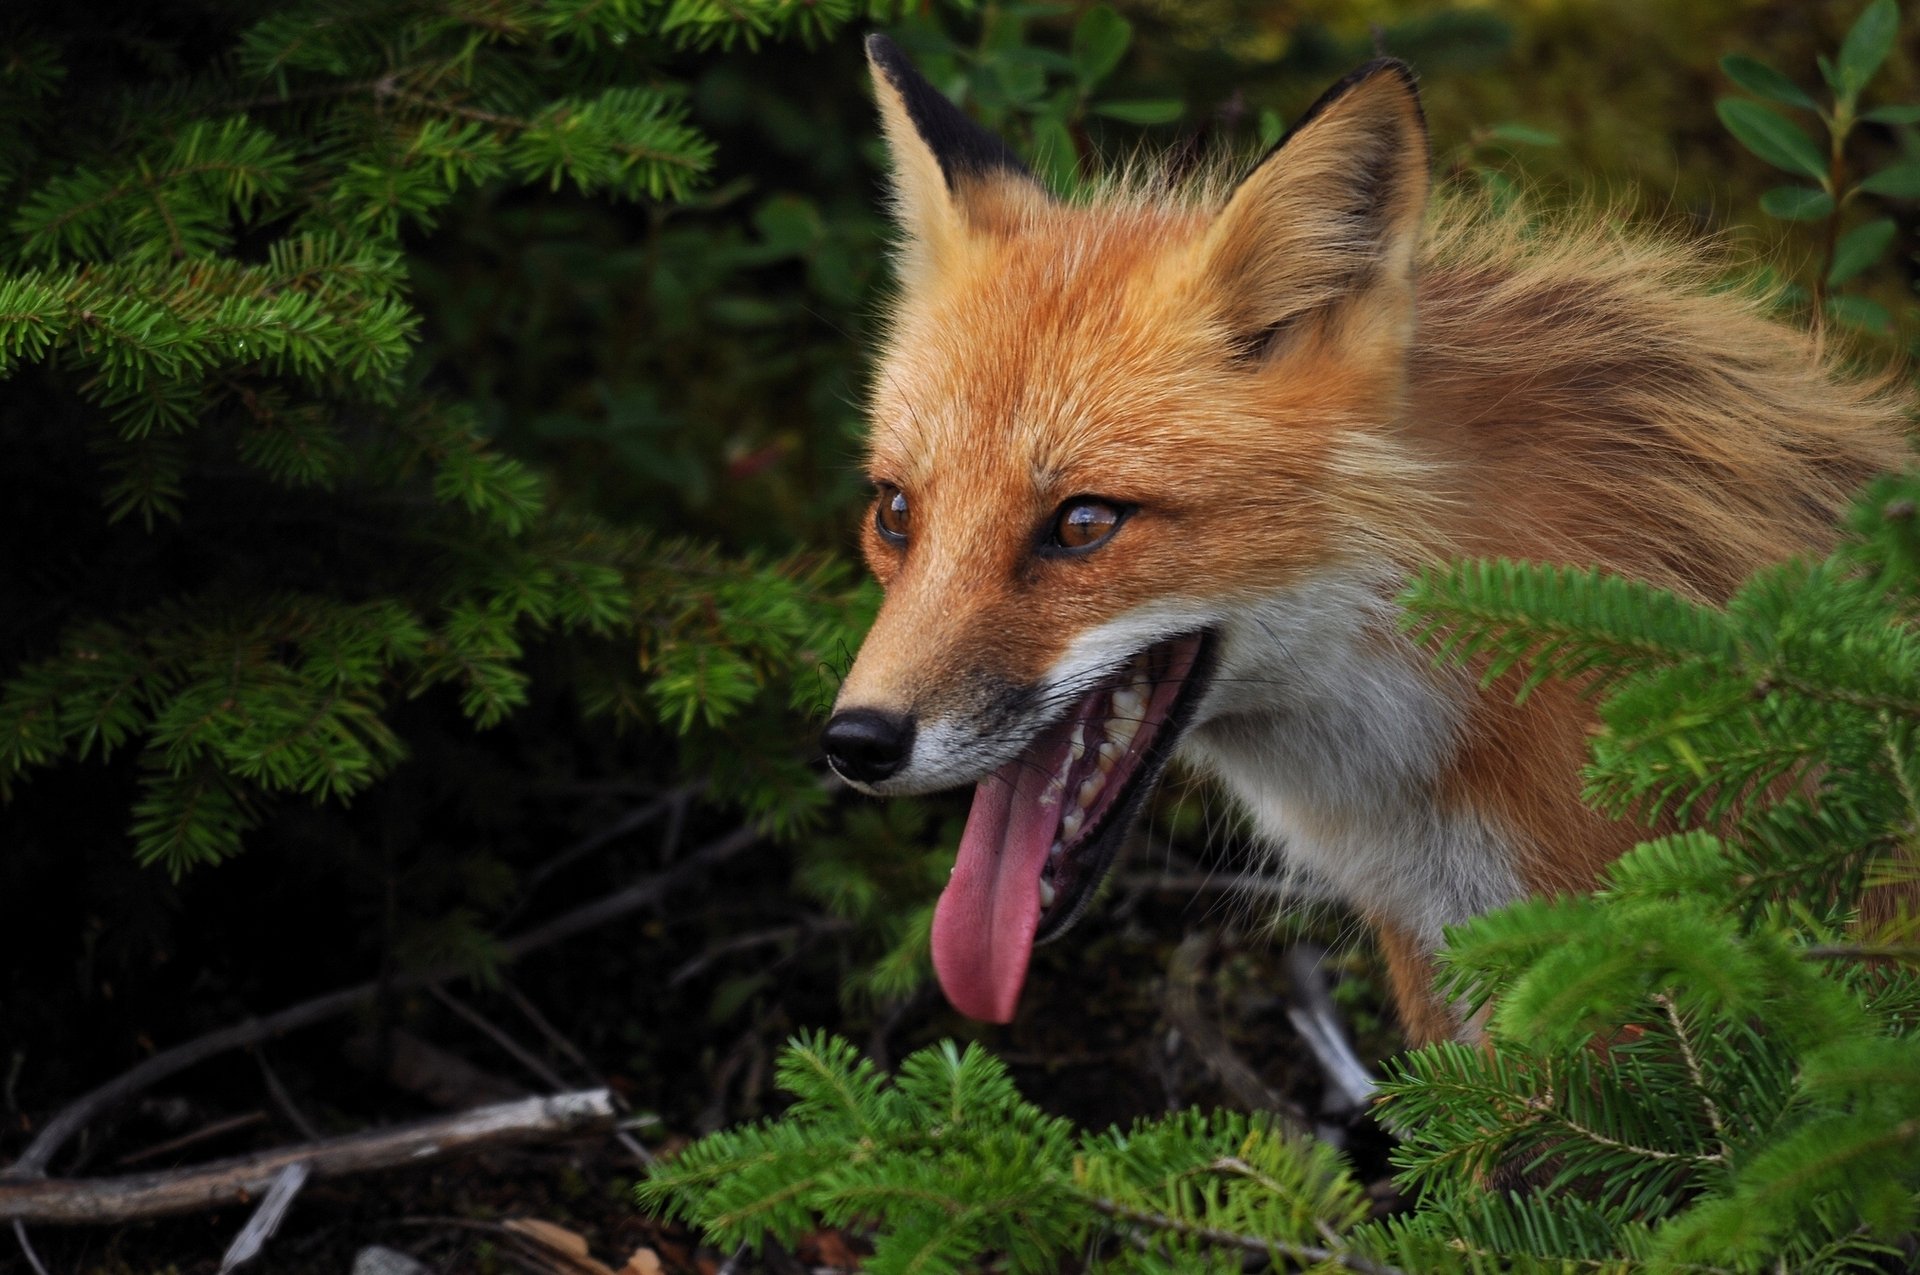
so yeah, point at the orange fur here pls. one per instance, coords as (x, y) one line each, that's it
(1318, 375)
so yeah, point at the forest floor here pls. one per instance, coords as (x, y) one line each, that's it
(1160, 999)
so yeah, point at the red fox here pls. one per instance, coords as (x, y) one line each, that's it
(1151, 469)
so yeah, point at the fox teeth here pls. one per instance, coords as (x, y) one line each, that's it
(1057, 786)
(1078, 744)
(1046, 893)
(1089, 790)
(1055, 850)
(1128, 702)
(1111, 751)
(1121, 730)
(1071, 825)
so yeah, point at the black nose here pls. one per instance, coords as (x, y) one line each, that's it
(866, 745)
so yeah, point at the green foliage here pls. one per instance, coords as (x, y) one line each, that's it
(1691, 1068)
(960, 1167)
(1697, 1067)
(1837, 181)
(207, 277)
(1730, 1103)
(1042, 100)
(1808, 666)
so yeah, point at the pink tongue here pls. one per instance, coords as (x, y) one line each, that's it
(984, 923)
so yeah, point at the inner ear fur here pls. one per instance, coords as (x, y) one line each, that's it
(950, 176)
(1332, 214)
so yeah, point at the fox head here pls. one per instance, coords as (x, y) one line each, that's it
(1105, 436)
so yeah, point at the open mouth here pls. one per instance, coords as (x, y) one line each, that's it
(1045, 827)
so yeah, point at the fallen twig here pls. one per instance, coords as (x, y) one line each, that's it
(26, 1247)
(242, 1178)
(284, 1100)
(531, 1012)
(498, 1035)
(185, 1140)
(76, 1115)
(1350, 1086)
(706, 958)
(630, 821)
(267, 1216)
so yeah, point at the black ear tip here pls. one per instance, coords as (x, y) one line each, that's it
(962, 147)
(1399, 66)
(1403, 70)
(1353, 79)
(888, 57)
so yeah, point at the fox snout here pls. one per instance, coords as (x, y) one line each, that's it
(867, 745)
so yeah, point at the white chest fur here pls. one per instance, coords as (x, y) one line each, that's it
(1334, 732)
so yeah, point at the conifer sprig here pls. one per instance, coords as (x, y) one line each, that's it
(206, 279)
(961, 1167)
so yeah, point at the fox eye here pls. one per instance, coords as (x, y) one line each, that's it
(1084, 522)
(890, 514)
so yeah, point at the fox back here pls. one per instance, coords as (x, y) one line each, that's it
(1151, 469)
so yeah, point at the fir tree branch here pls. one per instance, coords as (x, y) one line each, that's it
(1665, 1002)
(1235, 1165)
(691, 164)
(1836, 695)
(1862, 952)
(1647, 1153)
(1233, 1239)
(1548, 1115)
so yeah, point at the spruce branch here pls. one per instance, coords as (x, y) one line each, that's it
(1712, 1109)
(1220, 1238)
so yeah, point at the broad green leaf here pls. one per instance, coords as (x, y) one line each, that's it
(1017, 81)
(1522, 133)
(1054, 156)
(1868, 44)
(1908, 114)
(1797, 203)
(1154, 111)
(1901, 181)
(1756, 76)
(1828, 72)
(1771, 137)
(1861, 313)
(788, 224)
(1858, 249)
(1100, 40)
(1272, 128)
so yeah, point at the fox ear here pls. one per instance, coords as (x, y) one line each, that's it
(949, 174)
(1331, 213)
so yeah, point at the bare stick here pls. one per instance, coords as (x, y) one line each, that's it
(631, 821)
(284, 1100)
(267, 1217)
(243, 1178)
(186, 1140)
(26, 1246)
(636, 896)
(1311, 1011)
(519, 1053)
(624, 1135)
(531, 1012)
(77, 1114)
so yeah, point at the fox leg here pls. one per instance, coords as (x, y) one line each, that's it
(1424, 1017)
